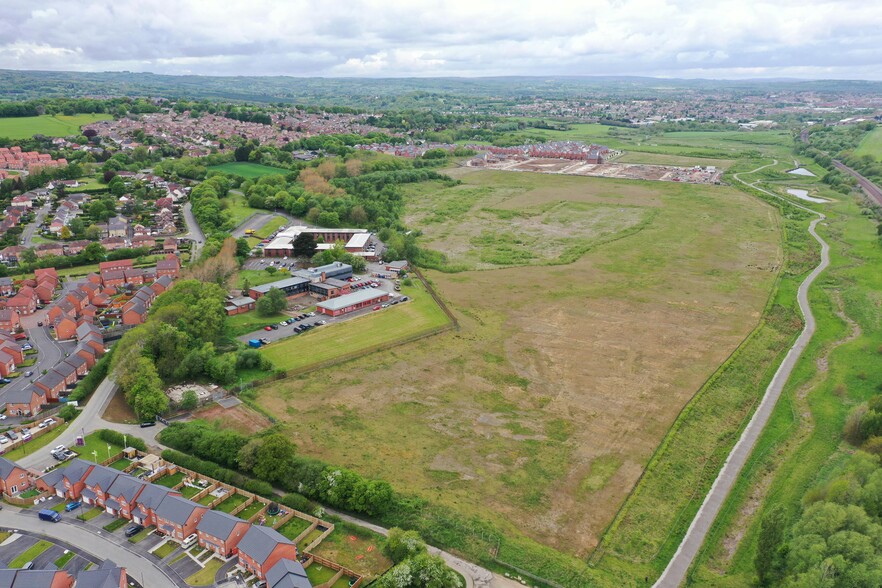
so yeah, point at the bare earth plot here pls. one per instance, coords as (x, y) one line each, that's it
(591, 310)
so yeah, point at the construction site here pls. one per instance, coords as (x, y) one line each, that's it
(627, 171)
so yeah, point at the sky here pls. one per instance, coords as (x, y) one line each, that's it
(811, 39)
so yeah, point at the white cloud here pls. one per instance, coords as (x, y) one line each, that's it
(728, 38)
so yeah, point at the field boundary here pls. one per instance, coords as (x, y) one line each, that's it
(687, 409)
(452, 325)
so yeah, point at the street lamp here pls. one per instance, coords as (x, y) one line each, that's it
(95, 453)
(108, 451)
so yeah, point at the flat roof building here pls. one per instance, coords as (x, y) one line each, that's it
(351, 302)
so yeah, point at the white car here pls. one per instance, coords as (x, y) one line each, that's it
(4, 440)
(2, 417)
(189, 541)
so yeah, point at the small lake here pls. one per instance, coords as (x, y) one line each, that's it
(801, 171)
(803, 195)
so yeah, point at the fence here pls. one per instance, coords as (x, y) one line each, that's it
(341, 571)
(35, 432)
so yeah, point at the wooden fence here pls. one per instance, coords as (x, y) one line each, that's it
(341, 571)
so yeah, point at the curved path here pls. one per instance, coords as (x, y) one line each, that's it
(677, 568)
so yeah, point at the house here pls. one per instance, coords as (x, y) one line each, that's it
(117, 227)
(7, 364)
(162, 284)
(170, 245)
(122, 494)
(239, 305)
(79, 365)
(170, 266)
(134, 312)
(113, 243)
(87, 353)
(13, 349)
(221, 532)
(287, 573)
(148, 501)
(67, 372)
(52, 384)
(46, 249)
(7, 288)
(261, 548)
(13, 479)
(27, 401)
(107, 575)
(9, 320)
(134, 276)
(144, 241)
(35, 579)
(22, 304)
(44, 293)
(113, 278)
(177, 517)
(99, 480)
(67, 482)
(65, 327)
(10, 254)
(117, 264)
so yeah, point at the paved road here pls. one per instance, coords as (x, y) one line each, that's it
(254, 222)
(27, 236)
(677, 568)
(49, 352)
(90, 420)
(96, 544)
(194, 232)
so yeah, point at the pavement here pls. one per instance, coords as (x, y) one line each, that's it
(96, 544)
(194, 232)
(676, 570)
(27, 234)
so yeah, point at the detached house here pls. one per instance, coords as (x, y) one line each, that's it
(27, 401)
(13, 479)
(9, 320)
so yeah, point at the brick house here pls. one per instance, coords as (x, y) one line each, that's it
(221, 532)
(99, 480)
(9, 320)
(107, 575)
(65, 327)
(67, 482)
(148, 501)
(22, 304)
(170, 266)
(13, 479)
(261, 548)
(52, 384)
(177, 517)
(287, 574)
(7, 364)
(87, 353)
(134, 312)
(161, 284)
(36, 579)
(122, 494)
(13, 349)
(7, 288)
(27, 401)
(79, 365)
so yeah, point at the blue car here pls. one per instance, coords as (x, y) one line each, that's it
(72, 506)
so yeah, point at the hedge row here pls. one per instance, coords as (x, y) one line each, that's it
(109, 436)
(212, 470)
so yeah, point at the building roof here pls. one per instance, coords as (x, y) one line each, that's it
(23, 395)
(153, 495)
(126, 487)
(259, 542)
(287, 573)
(359, 240)
(241, 301)
(355, 298)
(280, 284)
(218, 524)
(6, 467)
(102, 476)
(107, 575)
(176, 509)
(50, 379)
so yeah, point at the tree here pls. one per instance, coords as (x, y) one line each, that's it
(28, 255)
(94, 252)
(65, 232)
(77, 227)
(768, 560)
(401, 544)
(272, 302)
(303, 245)
(271, 270)
(189, 400)
(243, 249)
(246, 286)
(272, 458)
(420, 571)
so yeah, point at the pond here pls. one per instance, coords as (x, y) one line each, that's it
(803, 195)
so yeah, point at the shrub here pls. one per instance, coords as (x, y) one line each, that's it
(297, 502)
(68, 412)
(88, 384)
(109, 436)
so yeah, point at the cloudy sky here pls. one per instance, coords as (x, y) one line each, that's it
(392, 38)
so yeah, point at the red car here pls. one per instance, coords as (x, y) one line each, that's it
(267, 328)
(377, 307)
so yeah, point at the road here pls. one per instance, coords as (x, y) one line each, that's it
(254, 222)
(49, 352)
(96, 544)
(27, 236)
(677, 568)
(194, 232)
(90, 420)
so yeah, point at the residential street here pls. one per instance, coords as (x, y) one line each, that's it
(193, 231)
(139, 566)
(27, 236)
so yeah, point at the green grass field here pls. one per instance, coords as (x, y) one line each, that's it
(871, 145)
(238, 208)
(260, 277)
(30, 554)
(165, 550)
(62, 561)
(50, 126)
(242, 324)
(205, 576)
(248, 170)
(419, 315)
(97, 447)
(231, 503)
(272, 225)
(170, 480)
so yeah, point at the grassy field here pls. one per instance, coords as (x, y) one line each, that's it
(248, 170)
(577, 350)
(871, 145)
(205, 576)
(30, 554)
(51, 126)
(242, 324)
(419, 315)
(238, 208)
(260, 277)
(840, 369)
(230, 503)
(347, 542)
(103, 449)
(272, 225)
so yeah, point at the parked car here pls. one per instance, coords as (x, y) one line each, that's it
(267, 328)
(377, 307)
(27, 347)
(133, 530)
(4, 440)
(274, 327)
(73, 505)
(283, 324)
(40, 324)
(13, 436)
(5, 380)
(289, 321)
(28, 566)
(189, 541)
(28, 374)
(146, 424)
(405, 299)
